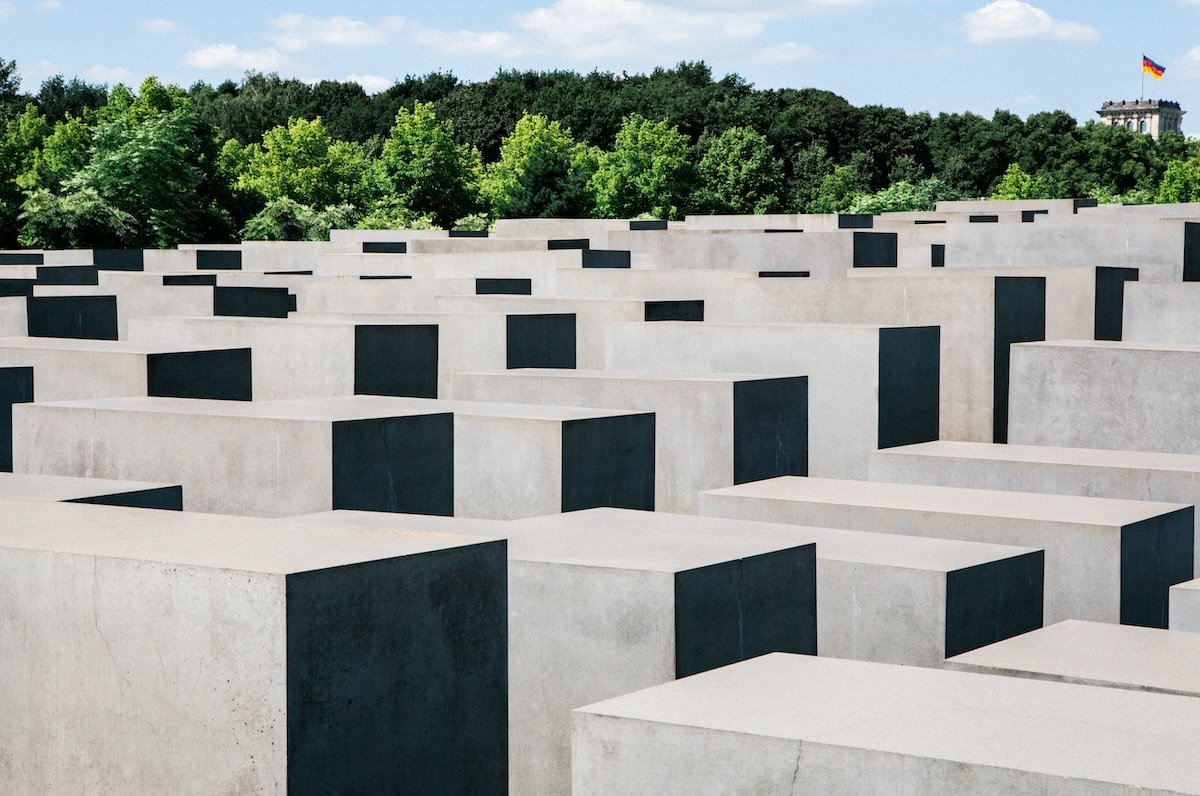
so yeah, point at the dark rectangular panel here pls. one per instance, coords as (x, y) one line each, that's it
(222, 374)
(468, 233)
(781, 231)
(164, 498)
(770, 428)
(397, 675)
(605, 258)
(17, 287)
(385, 276)
(608, 461)
(21, 258)
(218, 260)
(1078, 204)
(1110, 300)
(674, 310)
(67, 275)
(288, 273)
(568, 243)
(983, 219)
(503, 287)
(920, 222)
(190, 279)
(740, 609)
(647, 225)
(1191, 251)
(783, 274)
(397, 464)
(874, 250)
(856, 221)
(385, 247)
(253, 302)
(909, 378)
(119, 259)
(16, 387)
(541, 341)
(1029, 216)
(937, 255)
(1020, 317)
(1155, 555)
(81, 317)
(396, 360)
(993, 601)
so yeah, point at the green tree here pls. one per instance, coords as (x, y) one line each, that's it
(285, 219)
(62, 154)
(22, 135)
(809, 170)
(904, 196)
(542, 173)
(427, 170)
(60, 100)
(839, 191)
(78, 220)
(1180, 183)
(1015, 184)
(648, 172)
(739, 174)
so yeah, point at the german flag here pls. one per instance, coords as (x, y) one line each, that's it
(1152, 68)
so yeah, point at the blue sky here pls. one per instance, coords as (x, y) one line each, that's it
(933, 55)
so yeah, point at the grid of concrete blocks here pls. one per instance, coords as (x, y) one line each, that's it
(735, 505)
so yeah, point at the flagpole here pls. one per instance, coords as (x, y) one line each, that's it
(1142, 94)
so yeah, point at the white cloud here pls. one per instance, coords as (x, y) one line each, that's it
(109, 74)
(230, 56)
(1025, 99)
(1187, 66)
(295, 32)
(158, 26)
(786, 52)
(7, 9)
(372, 84)
(48, 5)
(1010, 20)
(466, 42)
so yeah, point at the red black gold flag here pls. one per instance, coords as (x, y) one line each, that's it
(1152, 68)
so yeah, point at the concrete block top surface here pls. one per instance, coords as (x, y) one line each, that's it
(1062, 730)
(94, 346)
(208, 540)
(21, 486)
(953, 500)
(1188, 585)
(1116, 345)
(410, 522)
(632, 376)
(1096, 653)
(904, 552)
(1049, 454)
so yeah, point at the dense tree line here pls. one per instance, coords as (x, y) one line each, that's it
(268, 157)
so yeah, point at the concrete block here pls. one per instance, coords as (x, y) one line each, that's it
(1095, 653)
(154, 652)
(785, 722)
(1106, 560)
(98, 491)
(1185, 606)
(885, 378)
(1163, 312)
(13, 321)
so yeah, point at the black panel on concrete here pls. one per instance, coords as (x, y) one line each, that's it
(647, 226)
(920, 222)
(21, 258)
(1029, 216)
(909, 374)
(468, 233)
(119, 259)
(82, 317)
(223, 374)
(937, 255)
(770, 428)
(1191, 251)
(608, 461)
(736, 610)
(385, 247)
(164, 498)
(1020, 317)
(253, 302)
(994, 601)
(1082, 203)
(541, 341)
(190, 279)
(17, 287)
(674, 310)
(1155, 555)
(218, 260)
(396, 360)
(783, 231)
(983, 219)
(1110, 300)
(67, 275)
(396, 464)
(397, 675)
(560, 244)
(385, 276)
(16, 387)
(288, 273)
(605, 258)
(855, 221)
(874, 250)
(783, 274)
(503, 287)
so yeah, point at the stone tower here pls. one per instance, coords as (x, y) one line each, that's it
(1150, 116)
